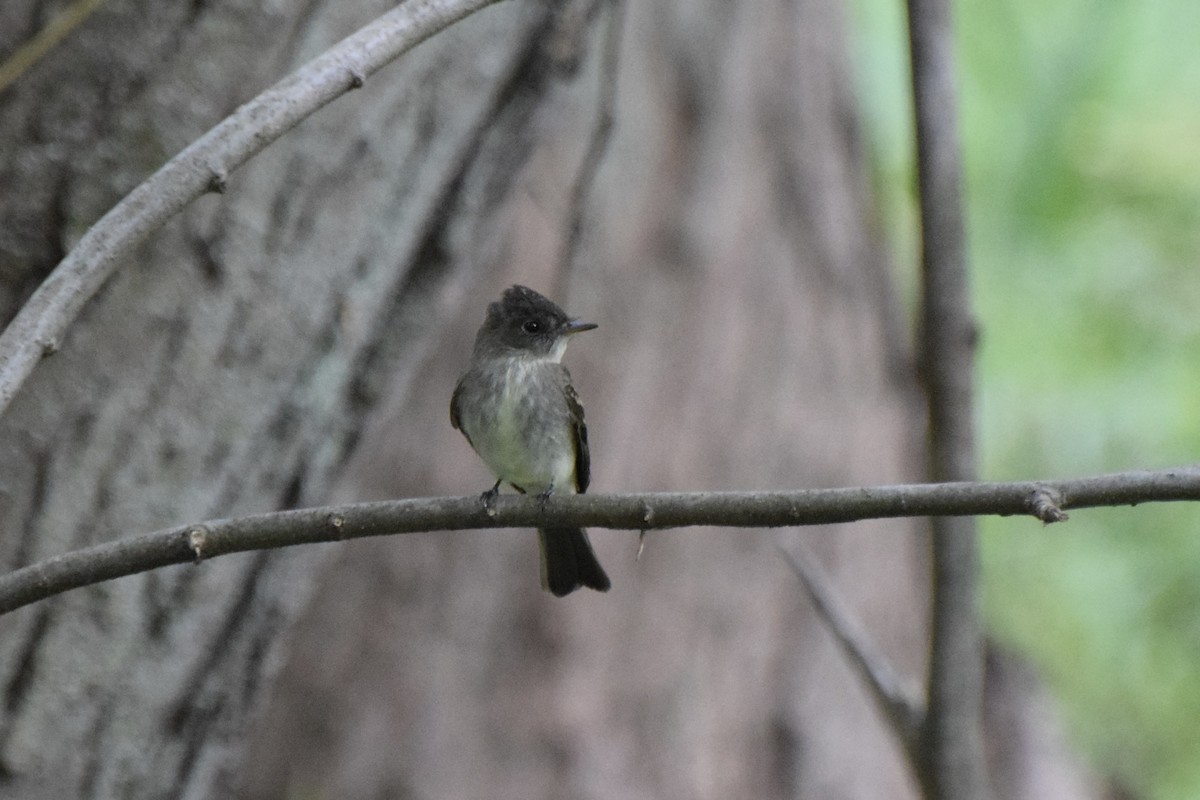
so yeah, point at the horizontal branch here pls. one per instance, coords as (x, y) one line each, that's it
(1046, 500)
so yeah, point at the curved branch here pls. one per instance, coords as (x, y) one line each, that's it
(204, 166)
(194, 543)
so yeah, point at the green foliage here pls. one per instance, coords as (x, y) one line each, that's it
(1081, 123)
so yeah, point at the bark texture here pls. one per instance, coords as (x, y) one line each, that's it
(230, 369)
(295, 341)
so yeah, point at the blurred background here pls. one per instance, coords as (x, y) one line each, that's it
(1081, 124)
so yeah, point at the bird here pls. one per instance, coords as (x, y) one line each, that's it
(518, 410)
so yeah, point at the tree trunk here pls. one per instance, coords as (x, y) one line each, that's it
(746, 340)
(229, 370)
(295, 341)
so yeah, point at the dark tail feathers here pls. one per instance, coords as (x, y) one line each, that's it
(568, 562)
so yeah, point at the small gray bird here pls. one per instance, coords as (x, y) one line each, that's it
(518, 410)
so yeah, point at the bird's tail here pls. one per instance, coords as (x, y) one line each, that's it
(568, 562)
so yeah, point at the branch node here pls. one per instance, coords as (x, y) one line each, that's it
(196, 540)
(217, 180)
(1045, 503)
(49, 346)
(357, 78)
(338, 523)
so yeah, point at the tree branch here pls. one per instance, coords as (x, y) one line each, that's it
(952, 762)
(204, 166)
(899, 705)
(194, 543)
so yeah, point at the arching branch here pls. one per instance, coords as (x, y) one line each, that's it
(204, 166)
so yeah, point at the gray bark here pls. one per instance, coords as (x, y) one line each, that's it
(295, 341)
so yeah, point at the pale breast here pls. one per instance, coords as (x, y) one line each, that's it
(519, 423)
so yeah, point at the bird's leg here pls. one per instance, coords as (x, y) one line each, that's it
(489, 497)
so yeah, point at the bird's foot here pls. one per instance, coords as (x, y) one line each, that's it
(543, 497)
(488, 498)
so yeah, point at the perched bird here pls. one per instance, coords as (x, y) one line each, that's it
(517, 408)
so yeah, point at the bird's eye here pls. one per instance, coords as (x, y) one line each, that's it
(531, 326)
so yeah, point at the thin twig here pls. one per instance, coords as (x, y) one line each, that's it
(598, 142)
(197, 542)
(900, 706)
(44, 40)
(205, 166)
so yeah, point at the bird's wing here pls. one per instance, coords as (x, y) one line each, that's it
(583, 459)
(454, 418)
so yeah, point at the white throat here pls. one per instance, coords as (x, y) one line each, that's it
(556, 354)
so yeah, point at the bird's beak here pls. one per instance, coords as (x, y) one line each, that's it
(575, 326)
